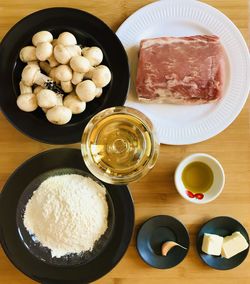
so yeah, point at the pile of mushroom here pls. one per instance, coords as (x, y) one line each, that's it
(64, 64)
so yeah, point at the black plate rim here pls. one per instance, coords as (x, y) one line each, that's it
(198, 248)
(120, 100)
(160, 216)
(122, 248)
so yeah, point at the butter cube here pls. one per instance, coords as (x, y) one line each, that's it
(233, 245)
(212, 244)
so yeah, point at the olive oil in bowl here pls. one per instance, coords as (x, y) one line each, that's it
(119, 145)
(197, 177)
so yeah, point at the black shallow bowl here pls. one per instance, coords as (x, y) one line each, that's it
(153, 233)
(49, 273)
(89, 31)
(222, 226)
(43, 253)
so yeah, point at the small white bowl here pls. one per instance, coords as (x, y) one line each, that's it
(218, 181)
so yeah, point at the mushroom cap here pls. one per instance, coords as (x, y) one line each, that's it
(77, 78)
(93, 54)
(28, 53)
(98, 92)
(66, 38)
(27, 102)
(86, 91)
(42, 36)
(72, 102)
(59, 115)
(67, 86)
(44, 50)
(46, 98)
(63, 73)
(79, 64)
(29, 73)
(62, 54)
(101, 76)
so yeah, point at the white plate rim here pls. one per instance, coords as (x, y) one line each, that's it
(178, 6)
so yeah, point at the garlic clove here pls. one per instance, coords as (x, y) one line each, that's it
(167, 246)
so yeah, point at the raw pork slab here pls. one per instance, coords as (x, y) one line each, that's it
(181, 70)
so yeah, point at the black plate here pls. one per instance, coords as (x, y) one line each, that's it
(37, 269)
(222, 226)
(43, 253)
(153, 233)
(89, 31)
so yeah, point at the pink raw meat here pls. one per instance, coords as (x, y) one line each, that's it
(181, 70)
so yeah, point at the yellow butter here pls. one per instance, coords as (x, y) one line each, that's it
(212, 244)
(233, 245)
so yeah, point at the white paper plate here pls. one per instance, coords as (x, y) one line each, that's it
(181, 124)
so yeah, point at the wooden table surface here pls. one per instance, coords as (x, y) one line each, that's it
(155, 194)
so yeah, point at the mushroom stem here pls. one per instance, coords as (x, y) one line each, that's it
(24, 89)
(45, 67)
(46, 82)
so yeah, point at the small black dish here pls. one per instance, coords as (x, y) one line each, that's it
(153, 233)
(89, 31)
(47, 272)
(222, 226)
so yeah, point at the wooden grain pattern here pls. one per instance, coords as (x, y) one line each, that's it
(155, 194)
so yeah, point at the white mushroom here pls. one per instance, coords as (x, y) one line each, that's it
(24, 89)
(77, 78)
(42, 36)
(44, 50)
(46, 98)
(29, 73)
(63, 54)
(79, 64)
(28, 53)
(67, 86)
(27, 102)
(101, 76)
(98, 92)
(45, 67)
(66, 38)
(72, 102)
(52, 61)
(86, 91)
(93, 54)
(63, 73)
(37, 89)
(59, 115)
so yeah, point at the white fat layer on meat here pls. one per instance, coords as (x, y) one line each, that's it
(164, 41)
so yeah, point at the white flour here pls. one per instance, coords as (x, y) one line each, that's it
(67, 214)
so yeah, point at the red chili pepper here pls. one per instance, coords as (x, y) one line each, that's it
(190, 194)
(199, 196)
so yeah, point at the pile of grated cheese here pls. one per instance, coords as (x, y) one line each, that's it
(67, 214)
